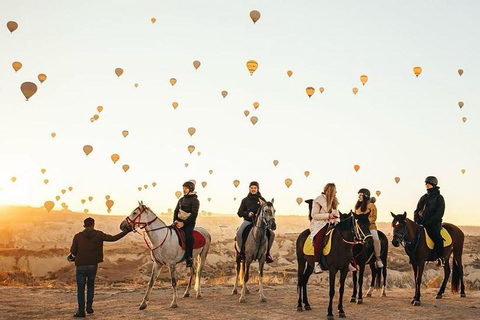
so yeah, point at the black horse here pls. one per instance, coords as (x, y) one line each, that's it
(363, 255)
(412, 237)
(345, 234)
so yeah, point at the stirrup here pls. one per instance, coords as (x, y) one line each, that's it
(441, 262)
(269, 259)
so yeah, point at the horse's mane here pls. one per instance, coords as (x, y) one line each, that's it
(343, 224)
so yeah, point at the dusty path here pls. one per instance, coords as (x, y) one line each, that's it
(111, 303)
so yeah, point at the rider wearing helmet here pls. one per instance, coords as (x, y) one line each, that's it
(185, 216)
(429, 213)
(248, 208)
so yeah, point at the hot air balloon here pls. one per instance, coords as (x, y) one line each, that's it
(191, 149)
(397, 180)
(173, 81)
(275, 163)
(210, 171)
(139, 188)
(42, 77)
(96, 116)
(85, 210)
(307, 173)
(196, 64)
(57, 198)
(246, 113)
(209, 199)
(464, 119)
(153, 20)
(92, 119)
(224, 94)
(109, 204)
(463, 171)
(83, 201)
(145, 186)
(43, 171)
(13, 179)
(299, 201)
(28, 89)
(460, 104)
(378, 193)
(87, 149)
(234, 198)
(119, 72)
(288, 182)
(460, 72)
(70, 189)
(191, 131)
(310, 91)
(236, 183)
(12, 26)
(355, 90)
(289, 73)
(174, 105)
(107, 197)
(63, 191)
(178, 194)
(53, 134)
(363, 79)
(356, 167)
(154, 184)
(204, 184)
(45, 181)
(252, 65)
(64, 206)
(49, 205)
(199, 153)
(186, 165)
(125, 133)
(254, 120)
(115, 157)
(16, 65)
(125, 167)
(90, 198)
(321, 89)
(135, 85)
(256, 105)
(417, 71)
(254, 15)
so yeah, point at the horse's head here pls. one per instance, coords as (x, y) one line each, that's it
(399, 225)
(362, 228)
(267, 214)
(141, 217)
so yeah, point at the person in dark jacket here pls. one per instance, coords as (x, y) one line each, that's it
(185, 217)
(248, 208)
(87, 252)
(429, 213)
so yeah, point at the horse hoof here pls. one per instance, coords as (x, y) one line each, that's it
(439, 296)
(369, 295)
(199, 296)
(360, 301)
(263, 299)
(299, 309)
(463, 295)
(234, 292)
(173, 305)
(353, 299)
(241, 300)
(342, 315)
(307, 307)
(143, 306)
(416, 303)
(186, 294)
(330, 318)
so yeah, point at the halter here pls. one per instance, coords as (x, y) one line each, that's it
(143, 225)
(263, 227)
(356, 232)
(405, 243)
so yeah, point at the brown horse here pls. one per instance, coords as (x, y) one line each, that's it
(345, 234)
(412, 237)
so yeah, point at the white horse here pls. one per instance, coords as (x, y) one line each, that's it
(165, 250)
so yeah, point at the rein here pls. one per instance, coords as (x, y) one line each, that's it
(406, 244)
(355, 233)
(263, 228)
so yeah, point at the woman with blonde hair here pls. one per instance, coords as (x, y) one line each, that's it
(324, 211)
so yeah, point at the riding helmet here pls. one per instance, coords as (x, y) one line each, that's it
(432, 180)
(254, 183)
(365, 192)
(190, 185)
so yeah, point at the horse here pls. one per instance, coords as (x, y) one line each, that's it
(166, 250)
(256, 249)
(346, 233)
(412, 237)
(365, 254)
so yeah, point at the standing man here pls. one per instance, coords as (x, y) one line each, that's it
(87, 252)
(429, 213)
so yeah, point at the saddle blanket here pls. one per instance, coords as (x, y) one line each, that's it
(199, 239)
(308, 245)
(447, 239)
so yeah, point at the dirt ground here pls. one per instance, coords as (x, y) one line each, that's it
(218, 303)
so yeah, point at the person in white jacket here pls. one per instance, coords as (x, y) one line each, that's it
(324, 212)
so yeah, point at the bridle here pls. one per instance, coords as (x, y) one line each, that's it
(264, 225)
(405, 243)
(142, 225)
(359, 236)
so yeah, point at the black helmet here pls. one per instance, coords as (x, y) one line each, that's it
(432, 180)
(190, 185)
(254, 183)
(365, 192)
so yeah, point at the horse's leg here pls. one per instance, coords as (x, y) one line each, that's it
(414, 267)
(331, 293)
(446, 275)
(155, 271)
(174, 285)
(189, 284)
(353, 298)
(200, 265)
(246, 266)
(343, 276)
(384, 273)
(360, 284)
(373, 271)
(306, 276)
(301, 262)
(261, 263)
(418, 283)
(237, 276)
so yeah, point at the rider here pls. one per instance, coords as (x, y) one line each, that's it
(248, 208)
(185, 216)
(366, 204)
(324, 211)
(429, 213)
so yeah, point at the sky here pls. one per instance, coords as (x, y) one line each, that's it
(397, 125)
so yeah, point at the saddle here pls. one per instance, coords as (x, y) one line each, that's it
(447, 239)
(308, 249)
(198, 239)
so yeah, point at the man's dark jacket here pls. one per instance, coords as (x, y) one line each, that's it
(188, 203)
(433, 206)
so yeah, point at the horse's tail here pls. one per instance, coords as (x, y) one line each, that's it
(202, 259)
(242, 271)
(457, 257)
(455, 277)
(384, 255)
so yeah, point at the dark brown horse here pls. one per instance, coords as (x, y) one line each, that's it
(363, 255)
(345, 234)
(412, 237)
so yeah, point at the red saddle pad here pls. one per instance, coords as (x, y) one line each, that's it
(197, 236)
